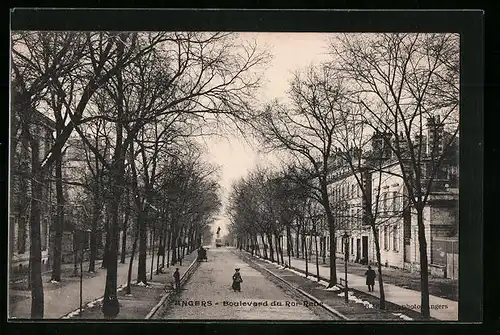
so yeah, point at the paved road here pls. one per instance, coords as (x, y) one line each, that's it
(208, 294)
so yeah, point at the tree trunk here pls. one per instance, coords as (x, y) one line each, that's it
(143, 240)
(190, 240)
(165, 248)
(309, 252)
(37, 301)
(182, 243)
(153, 238)
(161, 247)
(106, 243)
(123, 253)
(29, 271)
(59, 221)
(169, 243)
(333, 265)
(289, 246)
(75, 254)
(324, 249)
(424, 267)
(256, 243)
(174, 247)
(271, 250)
(280, 249)
(297, 242)
(277, 248)
(379, 265)
(317, 256)
(305, 253)
(179, 255)
(264, 246)
(110, 306)
(129, 274)
(93, 239)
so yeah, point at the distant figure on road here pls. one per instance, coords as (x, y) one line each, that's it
(177, 280)
(237, 281)
(370, 278)
(202, 254)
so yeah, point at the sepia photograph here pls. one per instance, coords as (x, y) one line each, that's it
(234, 175)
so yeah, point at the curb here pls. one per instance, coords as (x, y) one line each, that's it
(165, 296)
(95, 301)
(313, 298)
(338, 284)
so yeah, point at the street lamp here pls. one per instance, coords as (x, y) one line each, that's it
(346, 254)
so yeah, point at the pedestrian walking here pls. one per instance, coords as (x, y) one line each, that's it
(177, 280)
(370, 278)
(237, 281)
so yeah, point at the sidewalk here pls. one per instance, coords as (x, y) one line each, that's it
(440, 287)
(64, 297)
(143, 299)
(357, 309)
(441, 309)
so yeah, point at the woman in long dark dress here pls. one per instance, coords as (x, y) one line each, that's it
(237, 281)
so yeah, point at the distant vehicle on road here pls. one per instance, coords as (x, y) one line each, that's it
(218, 242)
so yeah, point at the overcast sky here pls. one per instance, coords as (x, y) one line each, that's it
(291, 51)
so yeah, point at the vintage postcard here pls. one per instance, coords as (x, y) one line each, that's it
(238, 174)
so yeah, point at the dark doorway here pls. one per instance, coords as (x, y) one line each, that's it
(365, 249)
(358, 250)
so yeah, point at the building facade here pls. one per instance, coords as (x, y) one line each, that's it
(394, 217)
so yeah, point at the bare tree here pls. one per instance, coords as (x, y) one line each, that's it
(39, 61)
(305, 129)
(401, 81)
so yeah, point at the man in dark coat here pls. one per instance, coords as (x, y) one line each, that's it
(370, 278)
(177, 280)
(237, 281)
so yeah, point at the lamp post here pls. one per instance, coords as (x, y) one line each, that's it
(346, 254)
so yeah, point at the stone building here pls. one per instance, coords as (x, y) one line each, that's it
(396, 219)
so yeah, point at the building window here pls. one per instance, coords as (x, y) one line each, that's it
(384, 204)
(395, 202)
(352, 246)
(352, 191)
(395, 238)
(380, 238)
(351, 217)
(386, 239)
